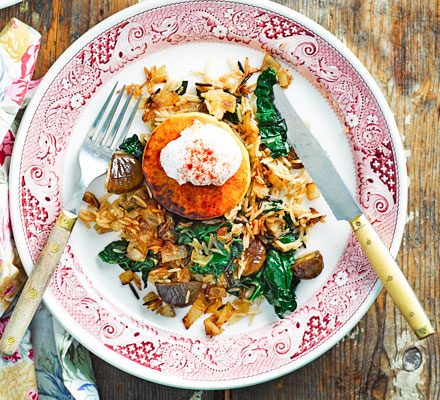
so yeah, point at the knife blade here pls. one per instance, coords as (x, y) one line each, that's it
(316, 161)
(345, 207)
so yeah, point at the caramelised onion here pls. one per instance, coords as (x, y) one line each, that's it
(171, 252)
(179, 294)
(275, 226)
(125, 173)
(166, 231)
(135, 252)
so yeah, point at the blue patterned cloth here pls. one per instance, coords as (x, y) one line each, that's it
(62, 366)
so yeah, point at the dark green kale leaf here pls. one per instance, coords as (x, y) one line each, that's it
(289, 221)
(288, 237)
(198, 230)
(236, 248)
(278, 281)
(116, 253)
(273, 129)
(220, 262)
(275, 281)
(133, 146)
(253, 282)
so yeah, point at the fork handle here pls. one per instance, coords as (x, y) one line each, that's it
(37, 283)
(392, 277)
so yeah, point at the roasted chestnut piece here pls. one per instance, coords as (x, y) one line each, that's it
(254, 255)
(180, 294)
(308, 266)
(125, 173)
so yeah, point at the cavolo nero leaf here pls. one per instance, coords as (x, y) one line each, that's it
(198, 230)
(278, 281)
(288, 237)
(220, 263)
(236, 248)
(116, 253)
(275, 281)
(273, 129)
(133, 146)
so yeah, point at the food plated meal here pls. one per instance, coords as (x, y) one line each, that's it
(331, 90)
(209, 204)
(196, 166)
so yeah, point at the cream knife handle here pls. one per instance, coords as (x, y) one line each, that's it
(37, 283)
(392, 277)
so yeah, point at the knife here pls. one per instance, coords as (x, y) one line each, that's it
(345, 207)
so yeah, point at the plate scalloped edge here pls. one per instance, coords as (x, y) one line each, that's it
(254, 349)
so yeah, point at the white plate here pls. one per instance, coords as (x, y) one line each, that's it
(331, 90)
(7, 3)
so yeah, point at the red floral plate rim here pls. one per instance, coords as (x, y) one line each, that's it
(157, 354)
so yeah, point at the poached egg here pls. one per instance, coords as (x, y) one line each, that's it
(204, 154)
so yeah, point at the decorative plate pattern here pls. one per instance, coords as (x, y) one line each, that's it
(259, 352)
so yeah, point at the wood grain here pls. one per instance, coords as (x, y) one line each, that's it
(34, 288)
(60, 23)
(398, 41)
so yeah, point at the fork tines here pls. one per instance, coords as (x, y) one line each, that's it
(112, 138)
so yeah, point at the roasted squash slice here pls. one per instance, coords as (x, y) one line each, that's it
(188, 200)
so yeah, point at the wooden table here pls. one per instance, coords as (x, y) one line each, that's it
(399, 42)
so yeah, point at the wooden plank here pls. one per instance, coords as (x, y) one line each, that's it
(60, 23)
(399, 43)
(115, 384)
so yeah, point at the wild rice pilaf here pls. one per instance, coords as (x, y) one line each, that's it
(270, 223)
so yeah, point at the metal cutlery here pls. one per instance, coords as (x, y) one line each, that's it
(345, 207)
(94, 157)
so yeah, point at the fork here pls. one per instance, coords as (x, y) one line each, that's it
(94, 157)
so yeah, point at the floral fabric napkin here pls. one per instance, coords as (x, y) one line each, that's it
(52, 366)
(19, 46)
